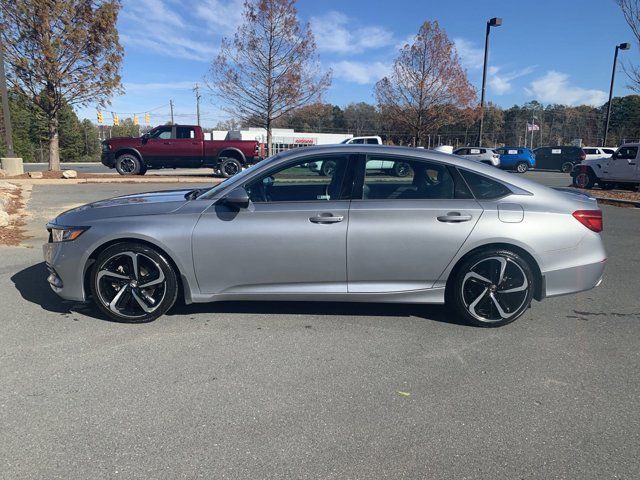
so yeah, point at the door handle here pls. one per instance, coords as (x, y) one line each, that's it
(326, 218)
(166, 143)
(454, 217)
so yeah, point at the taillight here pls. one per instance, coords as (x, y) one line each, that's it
(592, 219)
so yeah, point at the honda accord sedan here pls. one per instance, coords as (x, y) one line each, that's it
(484, 241)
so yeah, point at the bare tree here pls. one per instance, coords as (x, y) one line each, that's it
(270, 67)
(631, 11)
(61, 52)
(426, 82)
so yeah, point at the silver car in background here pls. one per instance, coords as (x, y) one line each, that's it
(479, 154)
(484, 241)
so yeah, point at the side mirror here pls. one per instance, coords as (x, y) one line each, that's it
(238, 197)
(145, 137)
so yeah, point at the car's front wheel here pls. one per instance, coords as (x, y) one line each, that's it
(491, 288)
(131, 282)
(584, 179)
(129, 164)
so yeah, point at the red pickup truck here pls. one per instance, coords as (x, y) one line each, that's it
(179, 146)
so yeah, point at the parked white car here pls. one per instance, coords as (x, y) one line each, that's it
(479, 154)
(372, 140)
(592, 153)
(623, 168)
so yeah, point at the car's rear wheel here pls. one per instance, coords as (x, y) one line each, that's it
(131, 282)
(230, 167)
(566, 167)
(128, 164)
(522, 167)
(491, 288)
(585, 179)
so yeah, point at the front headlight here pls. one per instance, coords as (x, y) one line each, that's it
(65, 234)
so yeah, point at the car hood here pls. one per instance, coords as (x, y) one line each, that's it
(152, 203)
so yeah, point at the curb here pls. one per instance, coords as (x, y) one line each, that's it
(77, 181)
(616, 202)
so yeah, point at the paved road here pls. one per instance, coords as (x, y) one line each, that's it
(292, 390)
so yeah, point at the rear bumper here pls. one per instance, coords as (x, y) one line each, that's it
(573, 280)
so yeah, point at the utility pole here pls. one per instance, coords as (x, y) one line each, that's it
(5, 106)
(196, 89)
(171, 106)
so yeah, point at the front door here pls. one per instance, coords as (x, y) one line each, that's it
(623, 166)
(404, 231)
(291, 239)
(157, 145)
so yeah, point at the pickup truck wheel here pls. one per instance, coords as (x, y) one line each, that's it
(229, 167)
(566, 167)
(128, 164)
(585, 179)
(328, 168)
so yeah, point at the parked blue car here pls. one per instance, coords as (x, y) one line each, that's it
(519, 159)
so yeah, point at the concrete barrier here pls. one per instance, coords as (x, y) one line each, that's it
(12, 166)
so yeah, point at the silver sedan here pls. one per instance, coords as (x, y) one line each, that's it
(484, 241)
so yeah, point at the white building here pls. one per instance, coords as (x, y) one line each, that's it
(282, 138)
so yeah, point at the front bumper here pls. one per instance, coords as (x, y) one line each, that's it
(65, 272)
(573, 279)
(108, 159)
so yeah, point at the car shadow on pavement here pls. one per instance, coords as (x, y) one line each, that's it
(33, 287)
(436, 313)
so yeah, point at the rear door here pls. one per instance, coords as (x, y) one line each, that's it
(188, 149)
(403, 232)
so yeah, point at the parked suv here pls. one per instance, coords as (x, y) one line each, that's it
(562, 158)
(479, 154)
(622, 168)
(372, 140)
(519, 159)
(592, 153)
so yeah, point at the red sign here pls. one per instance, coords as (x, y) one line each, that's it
(304, 140)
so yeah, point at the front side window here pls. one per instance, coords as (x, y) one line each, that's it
(393, 178)
(591, 151)
(627, 153)
(484, 188)
(163, 133)
(312, 179)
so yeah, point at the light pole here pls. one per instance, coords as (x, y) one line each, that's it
(622, 46)
(494, 22)
(5, 105)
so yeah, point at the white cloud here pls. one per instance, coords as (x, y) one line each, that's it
(500, 83)
(335, 32)
(225, 16)
(554, 87)
(360, 72)
(472, 57)
(131, 87)
(154, 26)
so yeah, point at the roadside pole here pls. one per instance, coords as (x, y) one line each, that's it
(11, 164)
(196, 89)
(171, 106)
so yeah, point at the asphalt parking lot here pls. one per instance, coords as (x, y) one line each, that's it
(305, 390)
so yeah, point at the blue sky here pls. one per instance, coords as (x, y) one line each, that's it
(551, 51)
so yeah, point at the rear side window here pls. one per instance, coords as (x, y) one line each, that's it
(185, 133)
(372, 141)
(484, 188)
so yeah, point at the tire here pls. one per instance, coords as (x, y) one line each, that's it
(119, 275)
(230, 167)
(328, 168)
(478, 295)
(522, 167)
(143, 170)
(401, 169)
(566, 167)
(584, 179)
(128, 164)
